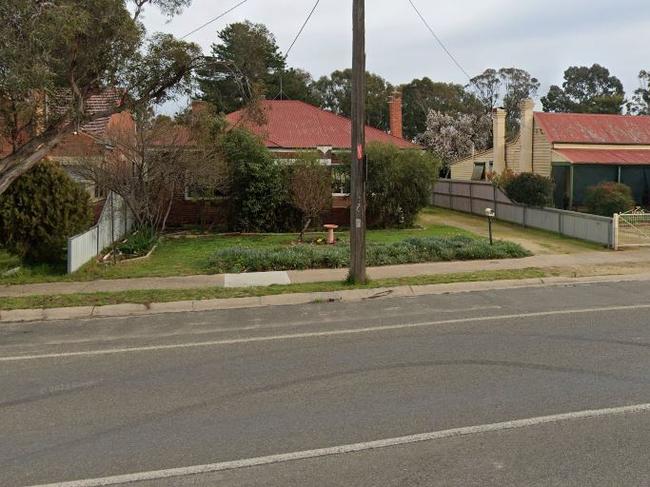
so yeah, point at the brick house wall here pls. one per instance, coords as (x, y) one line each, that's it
(209, 214)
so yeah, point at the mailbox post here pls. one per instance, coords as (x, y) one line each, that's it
(489, 212)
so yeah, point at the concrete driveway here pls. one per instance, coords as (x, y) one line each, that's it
(537, 241)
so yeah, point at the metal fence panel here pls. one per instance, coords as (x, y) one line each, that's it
(510, 213)
(461, 188)
(479, 205)
(475, 196)
(483, 191)
(544, 219)
(461, 204)
(592, 229)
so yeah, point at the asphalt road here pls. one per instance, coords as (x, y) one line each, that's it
(101, 398)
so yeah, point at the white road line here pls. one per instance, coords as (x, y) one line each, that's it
(350, 448)
(225, 329)
(294, 336)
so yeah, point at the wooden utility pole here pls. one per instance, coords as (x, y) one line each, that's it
(358, 165)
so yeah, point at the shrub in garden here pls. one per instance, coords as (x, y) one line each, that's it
(608, 198)
(411, 250)
(311, 190)
(501, 180)
(138, 243)
(529, 188)
(399, 184)
(40, 211)
(258, 187)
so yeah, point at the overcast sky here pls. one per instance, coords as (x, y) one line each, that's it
(541, 36)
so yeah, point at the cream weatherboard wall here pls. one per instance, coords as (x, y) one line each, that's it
(463, 169)
(542, 153)
(513, 153)
(542, 157)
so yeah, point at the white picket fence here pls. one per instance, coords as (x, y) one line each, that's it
(114, 223)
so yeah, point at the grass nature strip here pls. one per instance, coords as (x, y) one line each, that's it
(168, 295)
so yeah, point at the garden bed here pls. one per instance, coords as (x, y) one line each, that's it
(408, 251)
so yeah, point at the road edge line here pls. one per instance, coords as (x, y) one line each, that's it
(352, 447)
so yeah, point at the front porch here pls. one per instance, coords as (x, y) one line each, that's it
(572, 181)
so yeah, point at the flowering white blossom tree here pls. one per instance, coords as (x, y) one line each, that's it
(454, 136)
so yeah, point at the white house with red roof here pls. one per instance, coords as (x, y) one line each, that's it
(577, 150)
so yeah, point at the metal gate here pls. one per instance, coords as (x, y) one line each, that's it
(632, 229)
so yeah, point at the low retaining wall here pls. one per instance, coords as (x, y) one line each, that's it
(475, 196)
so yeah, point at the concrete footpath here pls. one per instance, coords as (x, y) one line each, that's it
(351, 295)
(325, 275)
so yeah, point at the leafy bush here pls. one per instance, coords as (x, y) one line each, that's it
(258, 188)
(39, 211)
(399, 184)
(529, 188)
(310, 186)
(608, 198)
(411, 250)
(501, 180)
(138, 243)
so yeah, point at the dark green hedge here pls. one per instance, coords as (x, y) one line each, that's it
(528, 188)
(259, 190)
(400, 184)
(40, 210)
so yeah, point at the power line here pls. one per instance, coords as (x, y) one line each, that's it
(442, 44)
(304, 24)
(295, 39)
(214, 19)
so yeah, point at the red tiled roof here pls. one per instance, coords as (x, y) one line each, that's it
(595, 156)
(294, 124)
(96, 103)
(584, 128)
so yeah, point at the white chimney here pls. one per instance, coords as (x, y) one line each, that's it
(499, 139)
(526, 135)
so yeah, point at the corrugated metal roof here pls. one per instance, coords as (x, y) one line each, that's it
(584, 128)
(597, 156)
(294, 124)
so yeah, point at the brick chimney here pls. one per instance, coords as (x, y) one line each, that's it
(499, 140)
(395, 114)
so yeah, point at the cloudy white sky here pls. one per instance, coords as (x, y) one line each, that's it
(541, 36)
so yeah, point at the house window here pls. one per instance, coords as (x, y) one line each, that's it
(198, 191)
(340, 179)
(479, 171)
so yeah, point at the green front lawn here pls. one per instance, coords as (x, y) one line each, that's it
(189, 255)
